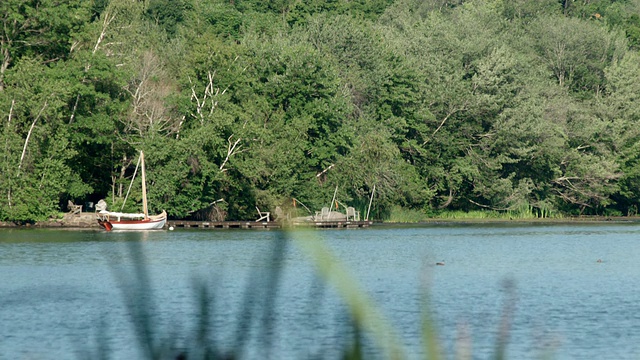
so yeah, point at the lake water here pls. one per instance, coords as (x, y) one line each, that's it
(67, 294)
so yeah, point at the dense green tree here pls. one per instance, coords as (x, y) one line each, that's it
(42, 29)
(489, 104)
(297, 123)
(575, 51)
(619, 109)
(447, 53)
(37, 160)
(527, 10)
(548, 144)
(166, 13)
(372, 161)
(220, 18)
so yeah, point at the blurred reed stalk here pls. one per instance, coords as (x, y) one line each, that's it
(257, 314)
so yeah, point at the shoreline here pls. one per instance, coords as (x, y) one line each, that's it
(87, 220)
(84, 220)
(568, 219)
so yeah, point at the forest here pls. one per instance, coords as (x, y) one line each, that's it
(509, 106)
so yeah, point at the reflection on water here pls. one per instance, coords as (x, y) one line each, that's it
(57, 287)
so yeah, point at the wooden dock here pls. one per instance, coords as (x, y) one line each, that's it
(334, 224)
(186, 224)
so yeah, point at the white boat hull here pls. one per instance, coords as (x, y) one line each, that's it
(154, 222)
(138, 225)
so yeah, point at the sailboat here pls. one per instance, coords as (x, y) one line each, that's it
(133, 221)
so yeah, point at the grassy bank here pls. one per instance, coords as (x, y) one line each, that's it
(411, 216)
(403, 215)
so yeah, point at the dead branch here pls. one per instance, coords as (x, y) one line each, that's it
(325, 170)
(207, 102)
(179, 127)
(451, 113)
(105, 24)
(487, 206)
(13, 102)
(231, 150)
(108, 18)
(207, 206)
(75, 107)
(443, 121)
(148, 91)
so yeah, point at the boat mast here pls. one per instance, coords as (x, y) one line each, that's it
(334, 198)
(370, 201)
(145, 210)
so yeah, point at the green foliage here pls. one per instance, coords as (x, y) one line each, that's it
(632, 30)
(526, 10)
(575, 51)
(38, 159)
(520, 107)
(297, 123)
(223, 18)
(40, 28)
(166, 13)
(182, 178)
(622, 115)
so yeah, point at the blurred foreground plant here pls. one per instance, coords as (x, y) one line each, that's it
(257, 314)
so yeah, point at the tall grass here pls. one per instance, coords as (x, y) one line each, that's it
(369, 331)
(525, 212)
(403, 215)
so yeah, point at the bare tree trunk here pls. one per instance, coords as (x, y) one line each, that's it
(73, 111)
(6, 59)
(449, 200)
(108, 18)
(26, 141)
(13, 102)
(6, 149)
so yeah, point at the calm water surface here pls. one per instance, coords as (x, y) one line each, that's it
(63, 293)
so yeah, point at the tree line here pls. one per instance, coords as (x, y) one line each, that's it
(501, 105)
